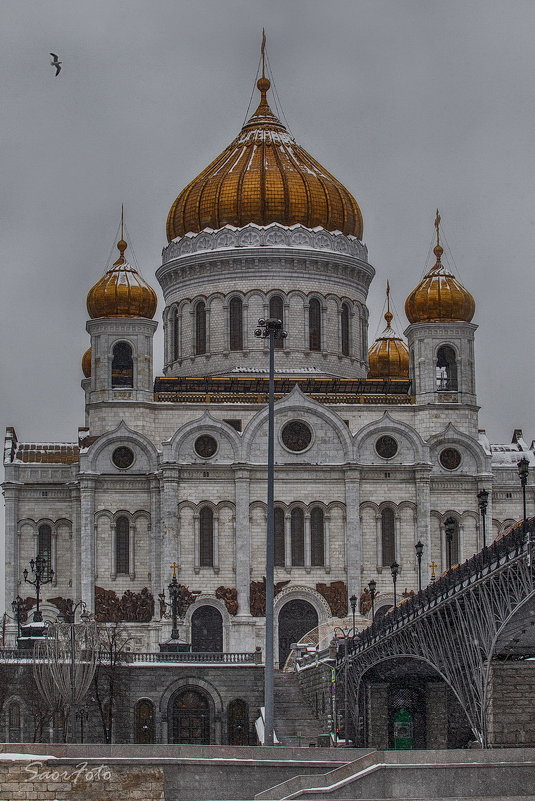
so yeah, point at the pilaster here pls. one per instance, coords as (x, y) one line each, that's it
(353, 531)
(242, 538)
(87, 540)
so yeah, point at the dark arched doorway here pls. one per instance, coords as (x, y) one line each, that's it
(295, 619)
(189, 718)
(145, 722)
(207, 629)
(238, 722)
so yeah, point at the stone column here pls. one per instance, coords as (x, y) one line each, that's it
(378, 717)
(155, 542)
(307, 542)
(353, 531)
(423, 521)
(11, 496)
(436, 715)
(87, 540)
(169, 511)
(287, 541)
(132, 552)
(216, 543)
(74, 491)
(327, 542)
(242, 541)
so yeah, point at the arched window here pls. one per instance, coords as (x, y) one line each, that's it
(44, 547)
(344, 329)
(317, 538)
(279, 537)
(174, 333)
(314, 324)
(276, 311)
(200, 328)
(14, 722)
(388, 537)
(446, 369)
(453, 549)
(144, 722)
(297, 530)
(206, 538)
(122, 365)
(122, 545)
(236, 324)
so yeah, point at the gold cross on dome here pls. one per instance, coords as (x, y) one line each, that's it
(174, 567)
(433, 565)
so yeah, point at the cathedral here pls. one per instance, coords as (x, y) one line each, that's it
(376, 446)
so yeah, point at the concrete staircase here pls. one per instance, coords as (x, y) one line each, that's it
(294, 722)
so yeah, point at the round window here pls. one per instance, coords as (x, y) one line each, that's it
(450, 458)
(296, 436)
(205, 446)
(122, 457)
(386, 446)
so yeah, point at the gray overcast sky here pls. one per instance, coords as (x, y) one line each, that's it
(413, 104)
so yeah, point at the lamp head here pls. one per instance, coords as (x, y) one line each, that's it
(353, 602)
(373, 586)
(419, 547)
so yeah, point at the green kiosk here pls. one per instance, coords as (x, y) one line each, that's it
(403, 733)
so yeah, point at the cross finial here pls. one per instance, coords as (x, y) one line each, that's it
(433, 565)
(174, 567)
(263, 53)
(437, 226)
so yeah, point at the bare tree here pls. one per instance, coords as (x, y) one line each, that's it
(108, 680)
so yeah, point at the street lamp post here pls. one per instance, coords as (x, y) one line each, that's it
(18, 607)
(483, 501)
(523, 471)
(373, 592)
(449, 528)
(419, 547)
(353, 602)
(43, 575)
(174, 591)
(394, 569)
(69, 619)
(269, 329)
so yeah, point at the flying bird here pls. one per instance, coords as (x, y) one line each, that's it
(56, 63)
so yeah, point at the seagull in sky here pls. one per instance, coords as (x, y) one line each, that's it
(56, 63)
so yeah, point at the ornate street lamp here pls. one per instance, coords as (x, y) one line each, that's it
(18, 607)
(270, 329)
(353, 602)
(523, 471)
(419, 548)
(43, 575)
(483, 501)
(174, 594)
(449, 529)
(394, 569)
(372, 585)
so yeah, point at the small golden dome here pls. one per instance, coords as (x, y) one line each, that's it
(86, 363)
(262, 177)
(121, 292)
(388, 357)
(439, 296)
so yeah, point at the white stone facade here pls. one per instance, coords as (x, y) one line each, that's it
(169, 491)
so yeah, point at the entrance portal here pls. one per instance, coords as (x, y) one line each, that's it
(206, 629)
(190, 718)
(295, 619)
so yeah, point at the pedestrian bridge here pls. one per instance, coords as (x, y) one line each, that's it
(478, 612)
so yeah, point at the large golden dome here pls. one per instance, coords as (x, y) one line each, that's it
(121, 292)
(388, 357)
(439, 296)
(264, 176)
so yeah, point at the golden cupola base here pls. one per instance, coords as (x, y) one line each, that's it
(262, 177)
(388, 357)
(121, 292)
(439, 297)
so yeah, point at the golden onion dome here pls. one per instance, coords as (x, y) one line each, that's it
(264, 176)
(439, 297)
(121, 292)
(86, 363)
(388, 357)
